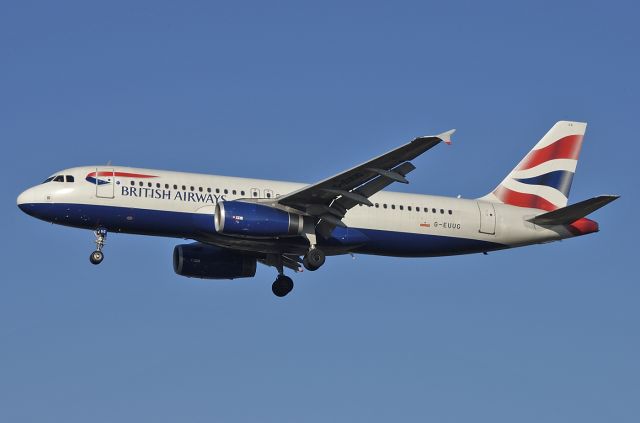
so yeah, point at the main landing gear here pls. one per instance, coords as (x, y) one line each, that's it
(97, 256)
(314, 259)
(282, 286)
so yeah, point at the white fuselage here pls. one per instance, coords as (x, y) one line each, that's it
(177, 204)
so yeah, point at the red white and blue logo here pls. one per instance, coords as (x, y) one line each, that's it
(107, 176)
(542, 179)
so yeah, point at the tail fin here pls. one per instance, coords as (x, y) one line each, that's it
(542, 179)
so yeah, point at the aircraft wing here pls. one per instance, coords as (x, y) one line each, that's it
(329, 199)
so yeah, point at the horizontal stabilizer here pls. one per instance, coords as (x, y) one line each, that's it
(570, 214)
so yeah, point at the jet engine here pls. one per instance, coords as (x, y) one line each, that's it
(204, 261)
(255, 220)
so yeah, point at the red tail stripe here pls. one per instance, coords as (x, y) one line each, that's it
(521, 199)
(565, 148)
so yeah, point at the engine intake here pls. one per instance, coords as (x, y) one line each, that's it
(210, 262)
(256, 220)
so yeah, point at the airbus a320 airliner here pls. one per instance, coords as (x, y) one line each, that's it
(237, 222)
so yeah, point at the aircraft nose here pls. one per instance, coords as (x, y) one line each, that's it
(24, 199)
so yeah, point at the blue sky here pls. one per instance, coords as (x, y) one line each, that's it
(299, 91)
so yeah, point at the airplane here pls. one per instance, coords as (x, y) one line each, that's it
(235, 223)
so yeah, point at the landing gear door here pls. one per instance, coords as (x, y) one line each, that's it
(105, 182)
(487, 218)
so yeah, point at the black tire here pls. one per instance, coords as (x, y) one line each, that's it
(314, 259)
(278, 290)
(287, 283)
(282, 286)
(306, 264)
(96, 257)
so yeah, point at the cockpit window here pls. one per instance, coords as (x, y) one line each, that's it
(59, 178)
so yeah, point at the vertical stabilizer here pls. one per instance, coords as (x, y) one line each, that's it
(542, 179)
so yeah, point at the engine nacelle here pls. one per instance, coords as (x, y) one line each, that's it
(210, 262)
(256, 220)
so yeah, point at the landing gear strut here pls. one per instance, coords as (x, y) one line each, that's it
(283, 284)
(314, 259)
(97, 256)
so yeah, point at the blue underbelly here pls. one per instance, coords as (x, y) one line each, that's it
(194, 225)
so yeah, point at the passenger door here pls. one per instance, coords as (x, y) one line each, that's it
(105, 182)
(487, 218)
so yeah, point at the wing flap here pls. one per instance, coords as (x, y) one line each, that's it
(325, 226)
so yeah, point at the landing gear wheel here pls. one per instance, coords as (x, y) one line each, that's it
(282, 286)
(96, 257)
(314, 259)
(101, 235)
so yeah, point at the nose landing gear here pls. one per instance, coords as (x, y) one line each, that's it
(97, 256)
